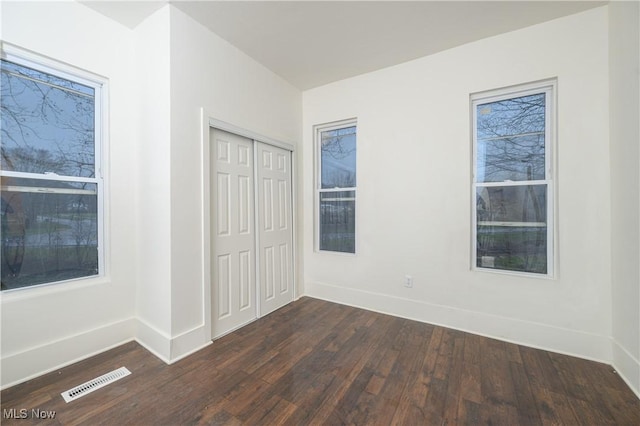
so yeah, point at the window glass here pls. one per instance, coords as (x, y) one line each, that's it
(522, 203)
(47, 123)
(338, 158)
(512, 182)
(51, 194)
(509, 117)
(511, 139)
(49, 231)
(338, 221)
(336, 187)
(512, 228)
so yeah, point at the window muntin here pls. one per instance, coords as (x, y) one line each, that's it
(336, 187)
(51, 185)
(512, 196)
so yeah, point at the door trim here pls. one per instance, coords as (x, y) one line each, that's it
(228, 127)
(207, 122)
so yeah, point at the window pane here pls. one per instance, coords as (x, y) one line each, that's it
(514, 158)
(49, 231)
(510, 139)
(509, 117)
(512, 228)
(522, 203)
(338, 221)
(522, 249)
(47, 123)
(338, 158)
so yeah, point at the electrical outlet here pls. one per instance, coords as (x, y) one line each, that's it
(408, 281)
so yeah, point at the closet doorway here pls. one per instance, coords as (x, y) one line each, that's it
(251, 230)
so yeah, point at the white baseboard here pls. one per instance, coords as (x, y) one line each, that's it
(542, 336)
(189, 342)
(627, 366)
(153, 340)
(171, 349)
(25, 365)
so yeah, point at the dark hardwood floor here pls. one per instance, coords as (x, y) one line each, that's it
(315, 362)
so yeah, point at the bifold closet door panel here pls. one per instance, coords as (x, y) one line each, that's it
(275, 232)
(233, 260)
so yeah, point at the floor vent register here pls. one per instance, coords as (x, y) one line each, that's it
(97, 383)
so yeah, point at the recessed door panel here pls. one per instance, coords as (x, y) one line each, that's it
(267, 205)
(282, 163)
(224, 286)
(284, 267)
(244, 152)
(223, 207)
(283, 206)
(268, 277)
(245, 194)
(245, 275)
(223, 148)
(266, 160)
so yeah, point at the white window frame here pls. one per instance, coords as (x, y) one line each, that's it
(26, 58)
(318, 129)
(549, 87)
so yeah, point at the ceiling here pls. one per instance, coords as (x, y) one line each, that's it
(311, 43)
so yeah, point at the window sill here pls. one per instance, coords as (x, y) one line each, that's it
(513, 273)
(42, 290)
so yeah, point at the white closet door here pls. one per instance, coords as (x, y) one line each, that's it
(275, 233)
(233, 236)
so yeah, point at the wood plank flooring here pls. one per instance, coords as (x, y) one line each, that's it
(315, 362)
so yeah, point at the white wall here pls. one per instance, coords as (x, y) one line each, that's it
(207, 72)
(624, 20)
(414, 196)
(152, 71)
(46, 327)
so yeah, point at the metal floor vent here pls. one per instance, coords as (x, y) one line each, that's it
(94, 384)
